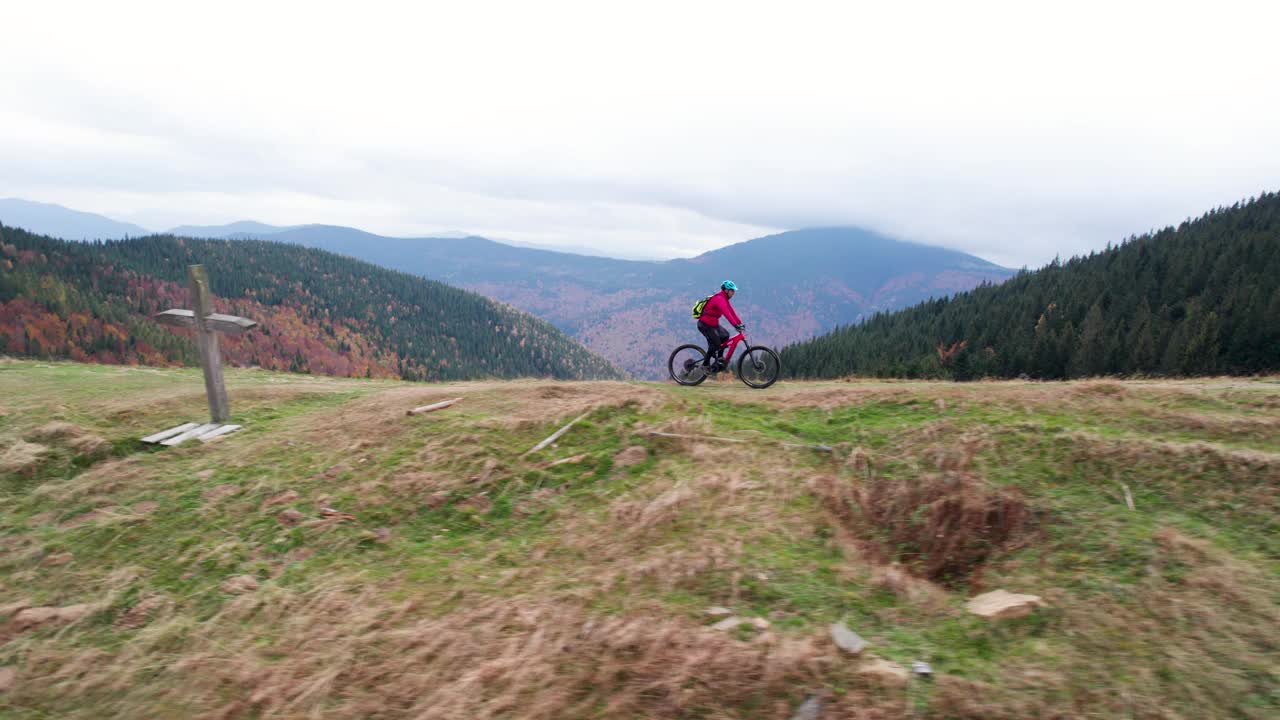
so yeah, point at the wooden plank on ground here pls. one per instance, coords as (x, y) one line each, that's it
(556, 434)
(192, 433)
(224, 430)
(166, 434)
(432, 408)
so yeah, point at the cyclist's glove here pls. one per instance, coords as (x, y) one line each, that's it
(740, 327)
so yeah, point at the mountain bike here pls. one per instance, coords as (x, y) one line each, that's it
(758, 366)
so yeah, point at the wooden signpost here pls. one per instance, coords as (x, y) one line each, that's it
(207, 325)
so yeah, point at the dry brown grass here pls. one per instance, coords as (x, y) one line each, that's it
(344, 652)
(21, 457)
(593, 608)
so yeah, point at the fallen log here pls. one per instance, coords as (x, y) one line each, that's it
(432, 408)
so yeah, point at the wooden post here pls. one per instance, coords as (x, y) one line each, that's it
(207, 342)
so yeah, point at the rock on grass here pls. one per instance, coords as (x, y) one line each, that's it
(1003, 605)
(847, 640)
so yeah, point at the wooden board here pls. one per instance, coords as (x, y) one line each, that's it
(192, 433)
(166, 434)
(432, 408)
(555, 435)
(214, 434)
(229, 324)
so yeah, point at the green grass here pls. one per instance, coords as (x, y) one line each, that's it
(472, 520)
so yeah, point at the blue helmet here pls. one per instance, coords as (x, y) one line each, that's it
(728, 285)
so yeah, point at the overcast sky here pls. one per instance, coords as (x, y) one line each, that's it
(1015, 131)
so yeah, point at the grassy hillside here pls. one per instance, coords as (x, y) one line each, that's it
(318, 312)
(474, 581)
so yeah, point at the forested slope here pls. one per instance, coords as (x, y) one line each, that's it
(319, 312)
(1198, 299)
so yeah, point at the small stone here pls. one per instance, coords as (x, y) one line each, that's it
(762, 577)
(289, 517)
(717, 611)
(760, 623)
(205, 474)
(728, 623)
(847, 640)
(810, 709)
(884, 672)
(1003, 605)
(58, 559)
(7, 677)
(921, 668)
(239, 584)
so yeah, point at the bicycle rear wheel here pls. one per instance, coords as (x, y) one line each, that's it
(685, 365)
(759, 367)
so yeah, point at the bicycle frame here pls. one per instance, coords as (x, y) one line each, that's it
(732, 343)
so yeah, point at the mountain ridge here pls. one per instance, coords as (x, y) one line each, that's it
(64, 222)
(795, 284)
(319, 312)
(1199, 299)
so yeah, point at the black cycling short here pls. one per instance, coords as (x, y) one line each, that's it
(715, 335)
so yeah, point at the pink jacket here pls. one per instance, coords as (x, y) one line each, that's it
(718, 305)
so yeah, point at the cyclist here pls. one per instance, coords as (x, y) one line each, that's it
(709, 323)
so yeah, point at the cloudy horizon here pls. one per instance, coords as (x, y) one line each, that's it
(999, 129)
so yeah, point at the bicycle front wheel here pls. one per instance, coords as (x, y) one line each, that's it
(759, 367)
(685, 365)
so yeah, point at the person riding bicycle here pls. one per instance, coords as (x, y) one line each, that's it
(709, 322)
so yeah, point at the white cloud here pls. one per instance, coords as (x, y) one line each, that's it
(1016, 131)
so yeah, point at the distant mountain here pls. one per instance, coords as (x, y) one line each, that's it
(65, 223)
(794, 285)
(320, 312)
(241, 229)
(1200, 299)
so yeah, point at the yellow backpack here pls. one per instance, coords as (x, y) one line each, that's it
(697, 307)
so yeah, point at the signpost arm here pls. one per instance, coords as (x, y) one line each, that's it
(207, 342)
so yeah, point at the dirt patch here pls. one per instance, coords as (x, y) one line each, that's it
(1100, 388)
(58, 559)
(34, 617)
(215, 494)
(97, 514)
(633, 455)
(142, 613)
(943, 526)
(283, 498)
